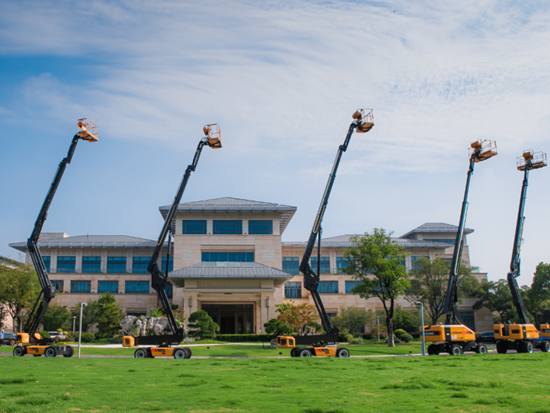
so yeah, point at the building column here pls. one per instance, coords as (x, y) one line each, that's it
(103, 262)
(53, 261)
(129, 261)
(78, 262)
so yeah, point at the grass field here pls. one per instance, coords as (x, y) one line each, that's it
(230, 350)
(490, 383)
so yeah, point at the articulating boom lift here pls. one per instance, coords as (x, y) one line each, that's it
(363, 123)
(30, 341)
(159, 281)
(454, 337)
(521, 337)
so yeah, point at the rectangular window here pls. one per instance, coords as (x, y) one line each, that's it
(328, 287)
(189, 227)
(58, 284)
(170, 264)
(350, 285)
(137, 287)
(293, 290)
(107, 287)
(140, 264)
(291, 265)
(227, 257)
(81, 286)
(260, 227)
(66, 264)
(91, 264)
(341, 263)
(169, 290)
(116, 265)
(228, 227)
(446, 241)
(47, 261)
(469, 320)
(325, 265)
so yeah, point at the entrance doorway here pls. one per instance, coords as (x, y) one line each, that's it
(232, 318)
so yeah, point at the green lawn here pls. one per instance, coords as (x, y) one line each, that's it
(231, 350)
(490, 383)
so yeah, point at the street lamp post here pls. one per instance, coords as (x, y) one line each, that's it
(74, 322)
(378, 326)
(422, 322)
(82, 305)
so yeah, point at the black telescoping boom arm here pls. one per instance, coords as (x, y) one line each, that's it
(47, 290)
(311, 280)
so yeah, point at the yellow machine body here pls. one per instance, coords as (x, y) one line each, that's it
(23, 338)
(36, 350)
(516, 332)
(448, 333)
(545, 330)
(162, 351)
(286, 342)
(128, 341)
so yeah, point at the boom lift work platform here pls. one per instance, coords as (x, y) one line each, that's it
(522, 337)
(454, 337)
(315, 344)
(30, 341)
(164, 344)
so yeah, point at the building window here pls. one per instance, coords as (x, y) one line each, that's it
(169, 290)
(260, 227)
(293, 290)
(47, 261)
(469, 320)
(107, 287)
(331, 315)
(341, 263)
(137, 287)
(350, 285)
(328, 287)
(66, 264)
(140, 264)
(58, 284)
(227, 257)
(414, 261)
(291, 265)
(446, 241)
(81, 286)
(193, 227)
(170, 264)
(91, 264)
(228, 227)
(116, 265)
(325, 265)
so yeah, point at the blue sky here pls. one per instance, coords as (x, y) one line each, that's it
(282, 80)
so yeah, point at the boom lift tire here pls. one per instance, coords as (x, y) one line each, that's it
(305, 352)
(433, 350)
(525, 347)
(481, 349)
(19, 351)
(50, 352)
(180, 354)
(188, 352)
(502, 347)
(342, 352)
(140, 353)
(544, 346)
(455, 350)
(68, 351)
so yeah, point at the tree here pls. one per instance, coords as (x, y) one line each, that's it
(296, 316)
(496, 296)
(406, 320)
(378, 262)
(19, 290)
(109, 315)
(57, 316)
(90, 314)
(538, 295)
(277, 328)
(429, 280)
(202, 325)
(352, 319)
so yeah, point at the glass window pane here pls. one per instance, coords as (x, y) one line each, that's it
(325, 265)
(191, 227)
(228, 227)
(140, 264)
(227, 257)
(293, 290)
(107, 287)
(116, 265)
(91, 264)
(66, 264)
(260, 227)
(328, 287)
(350, 285)
(58, 284)
(291, 265)
(81, 286)
(47, 261)
(137, 287)
(170, 264)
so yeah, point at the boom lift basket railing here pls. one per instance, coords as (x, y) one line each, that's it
(88, 130)
(533, 160)
(485, 149)
(213, 133)
(365, 120)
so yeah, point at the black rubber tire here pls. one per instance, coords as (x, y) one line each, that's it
(140, 353)
(180, 354)
(50, 352)
(342, 352)
(293, 353)
(431, 350)
(481, 349)
(502, 347)
(455, 350)
(69, 351)
(19, 351)
(188, 351)
(305, 352)
(528, 347)
(545, 346)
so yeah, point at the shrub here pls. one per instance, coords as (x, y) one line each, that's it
(88, 337)
(243, 338)
(403, 335)
(383, 331)
(345, 338)
(116, 340)
(357, 340)
(45, 334)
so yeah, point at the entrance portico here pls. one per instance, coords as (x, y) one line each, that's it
(239, 296)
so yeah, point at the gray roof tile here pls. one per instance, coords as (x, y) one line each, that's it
(437, 227)
(239, 270)
(343, 241)
(91, 241)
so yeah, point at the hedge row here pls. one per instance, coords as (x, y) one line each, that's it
(243, 338)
